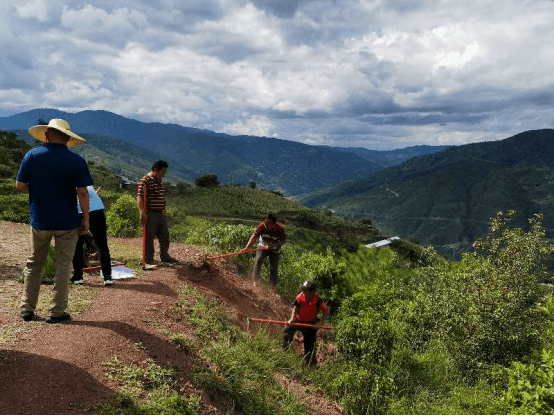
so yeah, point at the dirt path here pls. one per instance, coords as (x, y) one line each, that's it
(57, 369)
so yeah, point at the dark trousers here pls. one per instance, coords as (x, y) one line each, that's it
(156, 226)
(309, 335)
(98, 230)
(273, 265)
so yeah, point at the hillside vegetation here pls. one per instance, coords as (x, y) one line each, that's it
(447, 199)
(414, 333)
(121, 158)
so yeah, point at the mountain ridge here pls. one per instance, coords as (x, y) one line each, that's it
(283, 165)
(292, 168)
(446, 199)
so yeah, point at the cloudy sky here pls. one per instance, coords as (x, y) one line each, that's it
(380, 74)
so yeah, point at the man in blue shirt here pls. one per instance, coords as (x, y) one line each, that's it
(54, 178)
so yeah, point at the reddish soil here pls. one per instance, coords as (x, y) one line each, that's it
(57, 369)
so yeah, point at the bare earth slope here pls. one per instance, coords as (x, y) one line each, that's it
(57, 369)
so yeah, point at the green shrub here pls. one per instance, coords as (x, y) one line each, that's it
(361, 391)
(123, 218)
(207, 181)
(229, 237)
(485, 306)
(191, 230)
(22, 217)
(531, 387)
(328, 272)
(365, 337)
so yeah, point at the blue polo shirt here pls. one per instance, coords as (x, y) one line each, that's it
(53, 174)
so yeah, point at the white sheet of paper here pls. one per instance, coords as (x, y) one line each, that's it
(121, 272)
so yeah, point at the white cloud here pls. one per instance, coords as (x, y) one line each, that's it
(99, 25)
(250, 125)
(385, 73)
(32, 9)
(15, 98)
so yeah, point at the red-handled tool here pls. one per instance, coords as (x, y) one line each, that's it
(271, 321)
(96, 268)
(144, 240)
(244, 251)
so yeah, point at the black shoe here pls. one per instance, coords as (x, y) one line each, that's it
(27, 316)
(169, 260)
(55, 319)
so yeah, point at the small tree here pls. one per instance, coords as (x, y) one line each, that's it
(207, 181)
(183, 187)
(484, 308)
(123, 218)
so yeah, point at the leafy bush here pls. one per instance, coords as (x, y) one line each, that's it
(207, 181)
(191, 230)
(423, 339)
(361, 391)
(9, 215)
(326, 270)
(229, 237)
(531, 387)
(485, 306)
(123, 218)
(365, 337)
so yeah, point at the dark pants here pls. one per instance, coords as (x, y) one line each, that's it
(156, 226)
(309, 335)
(98, 230)
(273, 265)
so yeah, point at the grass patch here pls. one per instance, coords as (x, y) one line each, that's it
(146, 389)
(9, 333)
(125, 250)
(240, 366)
(81, 298)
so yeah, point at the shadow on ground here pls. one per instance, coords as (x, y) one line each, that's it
(45, 385)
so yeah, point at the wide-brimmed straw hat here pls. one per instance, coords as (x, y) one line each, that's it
(38, 132)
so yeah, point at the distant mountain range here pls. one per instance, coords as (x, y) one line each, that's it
(128, 147)
(442, 196)
(446, 199)
(395, 157)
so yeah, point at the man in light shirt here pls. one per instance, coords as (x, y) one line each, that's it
(98, 229)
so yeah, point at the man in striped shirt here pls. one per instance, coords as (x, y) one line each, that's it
(151, 205)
